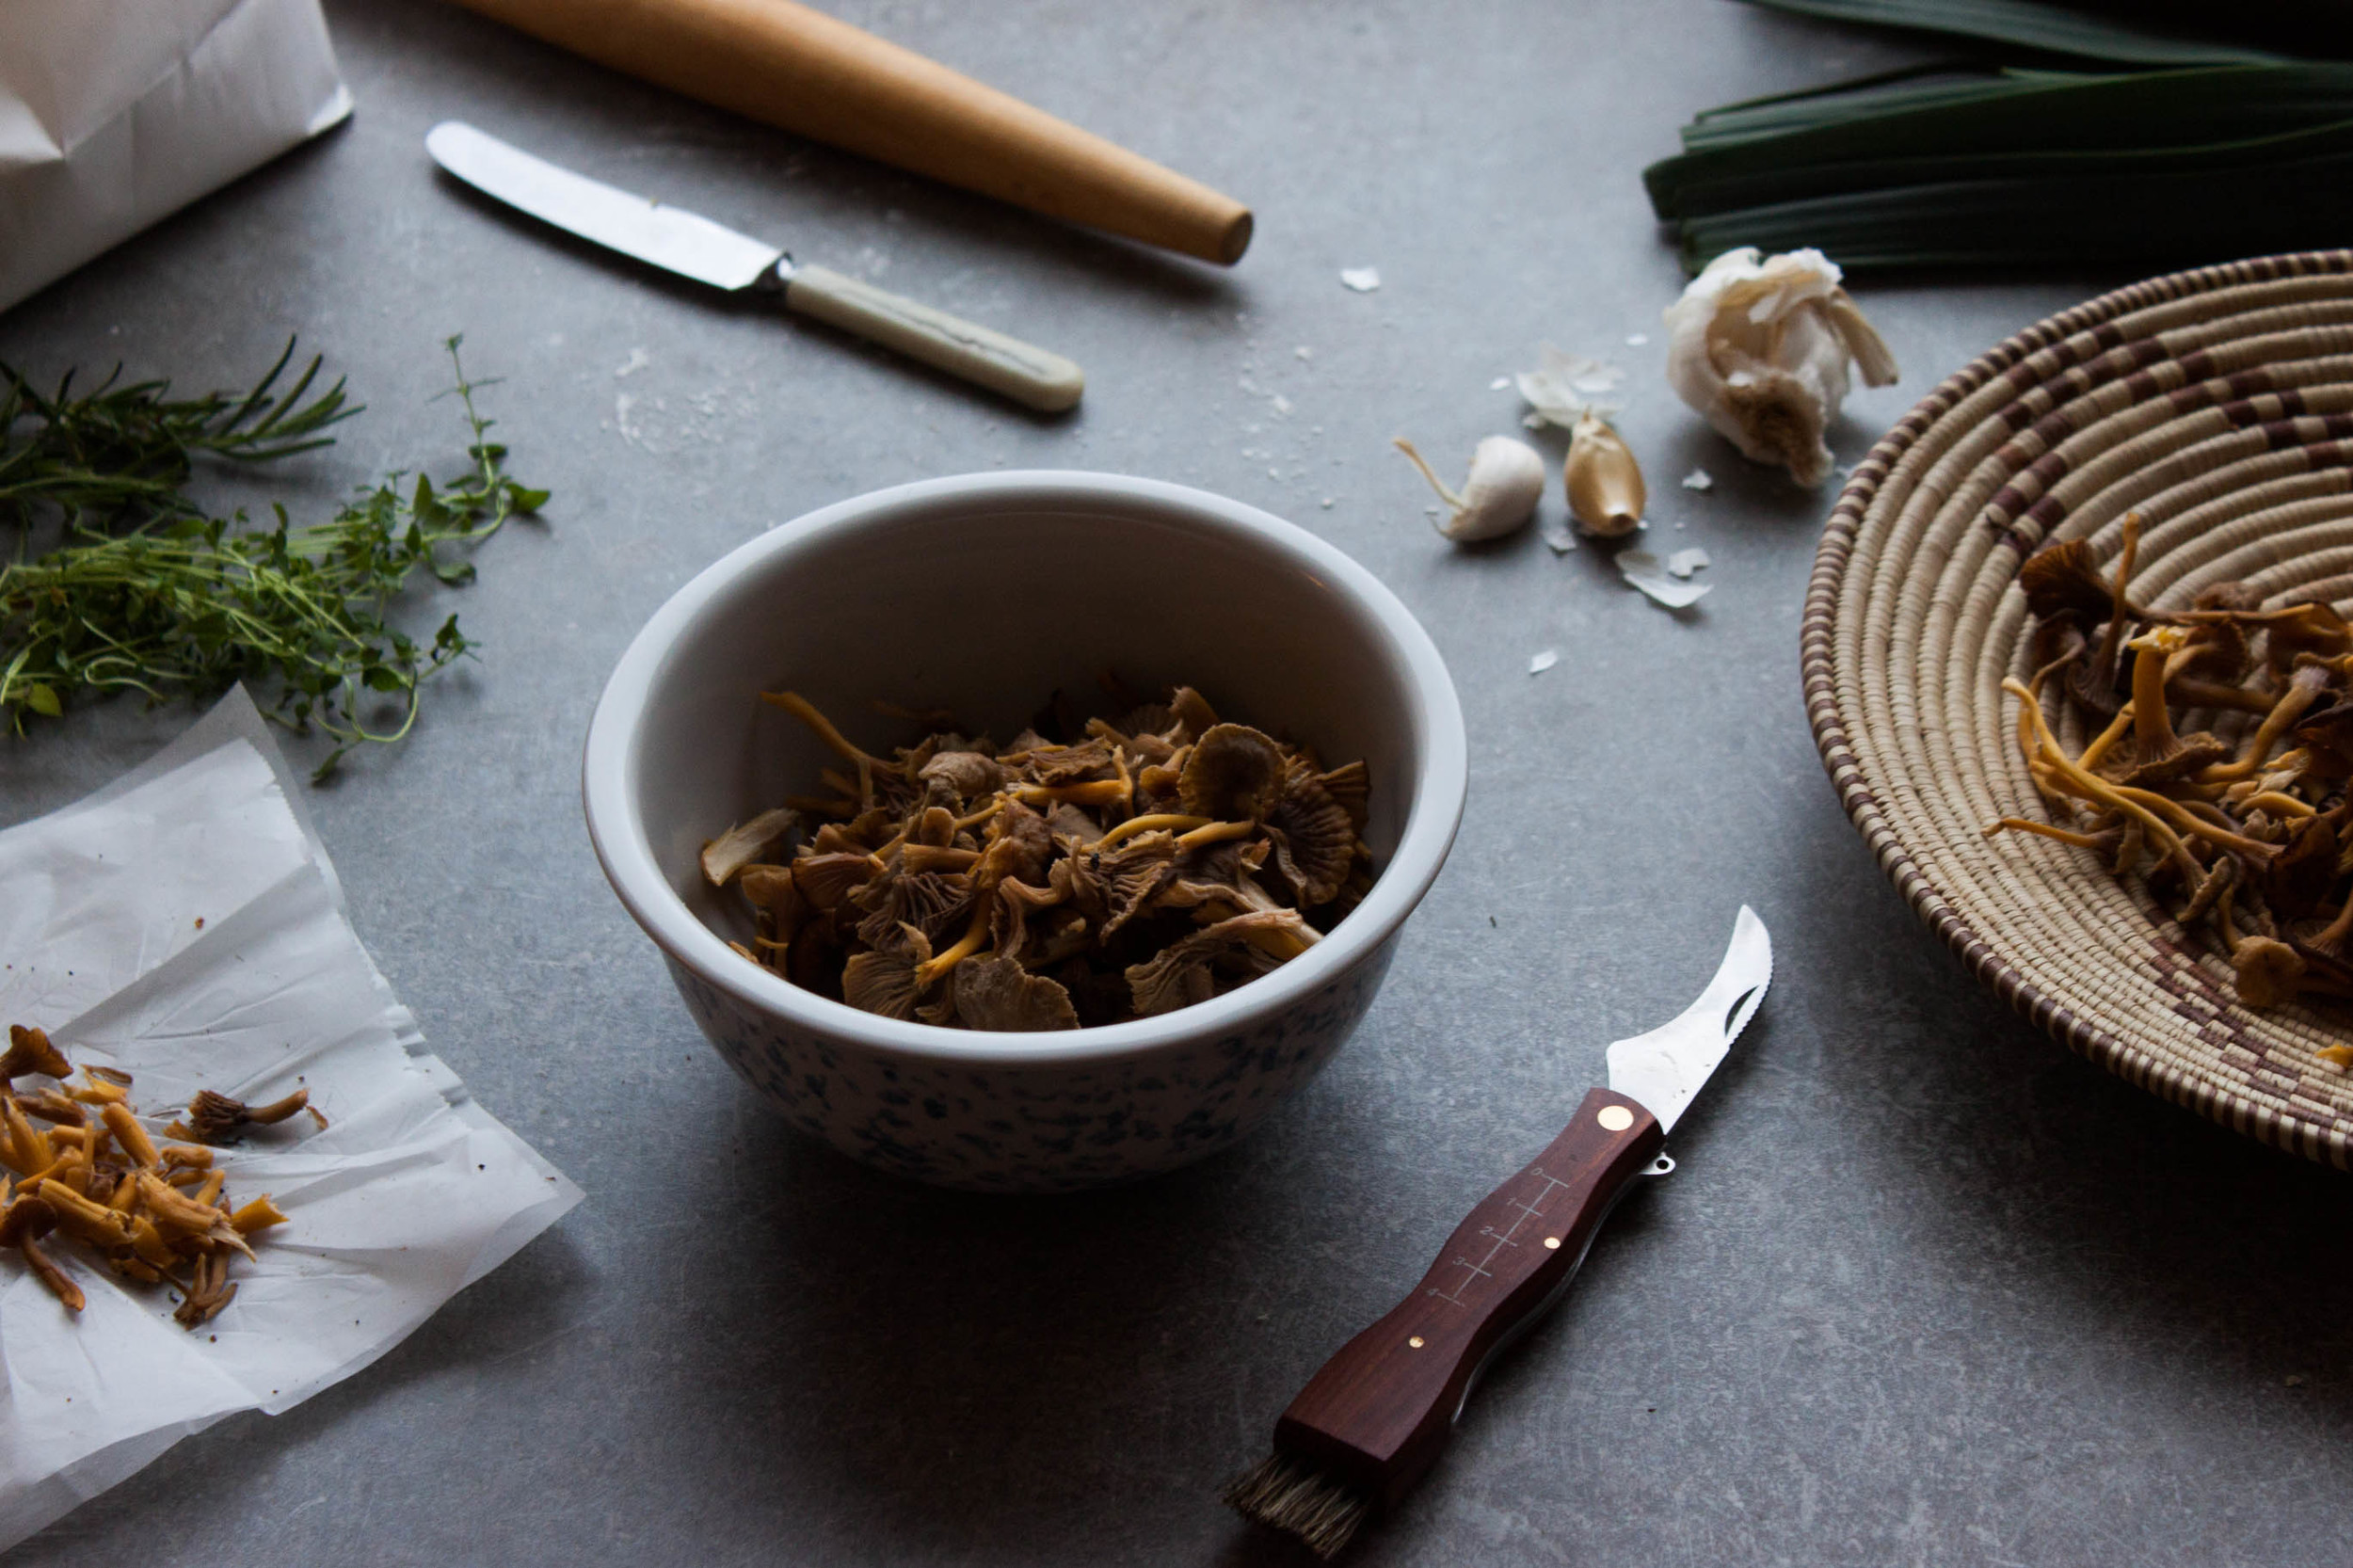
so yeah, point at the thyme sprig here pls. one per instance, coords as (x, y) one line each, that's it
(182, 605)
(123, 453)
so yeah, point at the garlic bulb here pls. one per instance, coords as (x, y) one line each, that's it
(1506, 479)
(1604, 482)
(1761, 348)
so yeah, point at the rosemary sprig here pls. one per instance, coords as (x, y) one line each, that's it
(184, 605)
(123, 453)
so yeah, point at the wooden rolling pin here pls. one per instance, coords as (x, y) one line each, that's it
(808, 73)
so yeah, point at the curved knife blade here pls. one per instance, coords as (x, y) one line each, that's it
(1666, 1068)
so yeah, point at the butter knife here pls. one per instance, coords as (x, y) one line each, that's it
(692, 247)
(1376, 1418)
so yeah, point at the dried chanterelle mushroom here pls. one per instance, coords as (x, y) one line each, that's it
(92, 1171)
(1760, 346)
(1116, 868)
(2246, 827)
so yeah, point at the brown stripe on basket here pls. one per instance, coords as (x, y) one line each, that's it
(2160, 1012)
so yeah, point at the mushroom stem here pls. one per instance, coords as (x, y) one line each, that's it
(2152, 725)
(801, 708)
(2213, 694)
(2095, 789)
(59, 1285)
(2276, 803)
(1217, 832)
(132, 1136)
(1151, 822)
(1102, 791)
(2196, 826)
(2064, 835)
(2301, 692)
(2102, 671)
(967, 945)
(2106, 738)
(278, 1109)
(981, 815)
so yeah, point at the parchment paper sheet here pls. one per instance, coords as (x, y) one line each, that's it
(411, 1193)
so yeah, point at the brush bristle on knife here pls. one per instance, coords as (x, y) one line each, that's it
(1372, 1421)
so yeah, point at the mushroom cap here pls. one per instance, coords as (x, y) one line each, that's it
(1234, 774)
(2187, 754)
(29, 1052)
(2318, 629)
(1351, 784)
(1070, 764)
(745, 842)
(1195, 716)
(2216, 651)
(2327, 735)
(1185, 971)
(884, 981)
(2266, 972)
(968, 774)
(825, 880)
(2063, 580)
(28, 1219)
(1019, 845)
(2300, 877)
(1153, 719)
(931, 903)
(997, 993)
(1015, 902)
(1314, 842)
(1132, 875)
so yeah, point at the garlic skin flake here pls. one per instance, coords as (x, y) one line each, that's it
(1564, 387)
(1507, 477)
(1760, 347)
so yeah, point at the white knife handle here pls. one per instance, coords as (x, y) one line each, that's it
(1029, 375)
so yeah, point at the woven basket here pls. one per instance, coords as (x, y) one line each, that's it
(2219, 403)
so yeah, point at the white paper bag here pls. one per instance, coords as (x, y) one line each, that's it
(115, 113)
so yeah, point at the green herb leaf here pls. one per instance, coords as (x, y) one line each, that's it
(172, 603)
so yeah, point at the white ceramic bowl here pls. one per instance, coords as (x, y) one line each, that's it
(981, 593)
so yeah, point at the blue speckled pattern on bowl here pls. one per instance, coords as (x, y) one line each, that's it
(1027, 1126)
(981, 593)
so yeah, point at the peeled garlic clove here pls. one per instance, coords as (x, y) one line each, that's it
(1761, 348)
(1605, 483)
(1506, 480)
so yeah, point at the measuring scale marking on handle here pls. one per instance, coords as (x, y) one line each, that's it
(1507, 1239)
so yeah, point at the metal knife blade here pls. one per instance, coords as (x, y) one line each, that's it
(668, 237)
(679, 241)
(1666, 1068)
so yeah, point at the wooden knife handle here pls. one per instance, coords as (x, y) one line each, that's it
(1379, 1412)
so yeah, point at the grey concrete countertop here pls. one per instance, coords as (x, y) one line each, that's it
(1926, 1290)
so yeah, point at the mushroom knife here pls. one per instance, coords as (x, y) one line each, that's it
(1367, 1425)
(678, 241)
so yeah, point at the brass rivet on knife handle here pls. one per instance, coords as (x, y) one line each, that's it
(791, 66)
(1615, 1118)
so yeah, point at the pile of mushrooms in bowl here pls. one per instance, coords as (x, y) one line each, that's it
(979, 597)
